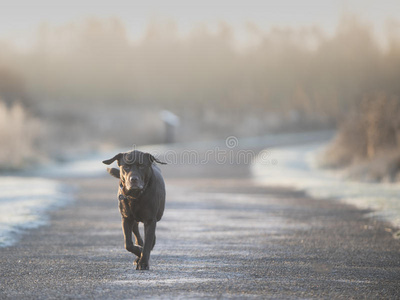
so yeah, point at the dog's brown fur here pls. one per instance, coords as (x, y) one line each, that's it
(141, 197)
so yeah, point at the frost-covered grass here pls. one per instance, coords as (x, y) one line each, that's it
(368, 141)
(297, 167)
(19, 134)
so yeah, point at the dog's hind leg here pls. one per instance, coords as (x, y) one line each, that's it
(136, 233)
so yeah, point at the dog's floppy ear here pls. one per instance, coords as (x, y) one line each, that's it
(114, 172)
(153, 159)
(111, 160)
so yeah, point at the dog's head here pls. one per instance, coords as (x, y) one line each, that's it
(135, 168)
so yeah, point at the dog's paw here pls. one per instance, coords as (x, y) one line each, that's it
(143, 267)
(140, 265)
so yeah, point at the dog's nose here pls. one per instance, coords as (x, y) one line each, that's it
(133, 179)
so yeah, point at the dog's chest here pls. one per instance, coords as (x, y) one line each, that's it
(130, 208)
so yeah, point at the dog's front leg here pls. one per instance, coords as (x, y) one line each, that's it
(149, 233)
(136, 233)
(127, 226)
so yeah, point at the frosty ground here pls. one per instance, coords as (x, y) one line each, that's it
(223, 235)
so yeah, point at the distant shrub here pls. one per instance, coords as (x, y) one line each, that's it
(12, 86)
(18, 134)
(381, 116)
(370, 134)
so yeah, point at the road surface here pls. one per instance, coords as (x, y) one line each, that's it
(222, 236)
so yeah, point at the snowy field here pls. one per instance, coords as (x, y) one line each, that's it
(296, 166)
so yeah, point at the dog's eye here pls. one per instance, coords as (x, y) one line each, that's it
(141, 167)
(126, 168)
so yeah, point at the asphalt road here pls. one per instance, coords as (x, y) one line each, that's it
(222, 236)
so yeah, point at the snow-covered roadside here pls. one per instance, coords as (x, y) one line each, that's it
(25, 203)
(296, 166)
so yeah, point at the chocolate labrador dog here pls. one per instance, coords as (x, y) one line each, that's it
(141, 197)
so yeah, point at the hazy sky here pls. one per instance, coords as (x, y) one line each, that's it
(20, 18)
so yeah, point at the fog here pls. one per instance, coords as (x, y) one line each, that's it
(92, 87)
